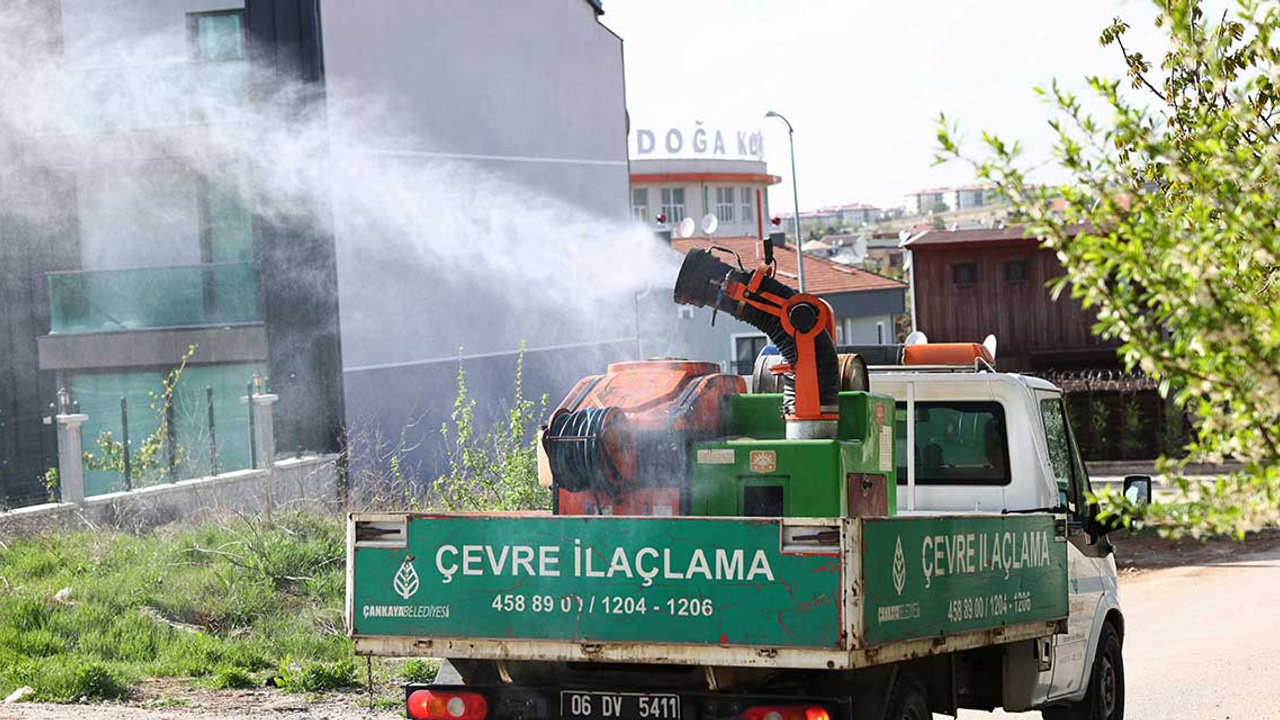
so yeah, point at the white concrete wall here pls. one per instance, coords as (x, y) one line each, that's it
(309, 482)
(862, 330)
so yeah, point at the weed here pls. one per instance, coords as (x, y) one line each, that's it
(312, 676)
(231, 678)
(418, 670)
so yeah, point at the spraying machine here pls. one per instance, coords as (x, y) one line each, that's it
(719, 549)
(671, 437)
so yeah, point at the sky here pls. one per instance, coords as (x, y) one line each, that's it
(863, 82)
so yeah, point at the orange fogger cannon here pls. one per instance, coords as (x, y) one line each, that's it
(619, 443)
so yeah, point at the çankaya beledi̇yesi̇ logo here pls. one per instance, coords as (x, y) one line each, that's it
(406, 580)
(899, 568)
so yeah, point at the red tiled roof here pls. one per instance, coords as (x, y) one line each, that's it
(821, 276)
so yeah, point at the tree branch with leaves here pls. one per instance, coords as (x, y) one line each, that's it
(1169, 230)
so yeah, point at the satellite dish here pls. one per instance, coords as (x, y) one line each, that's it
(685, 228)
(709, 223)
(990, 344)
(917, 337)
(903, 235)
(859, 251)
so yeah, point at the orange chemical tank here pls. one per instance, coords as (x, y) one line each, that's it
(619, 443)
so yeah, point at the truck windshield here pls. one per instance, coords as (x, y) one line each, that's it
(1068, 469)
(956, 443)
(1055, 435)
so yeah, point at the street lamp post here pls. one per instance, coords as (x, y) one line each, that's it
(795, 195)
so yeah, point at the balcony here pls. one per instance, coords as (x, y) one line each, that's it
(96, 301)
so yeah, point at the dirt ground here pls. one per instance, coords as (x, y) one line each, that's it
(178, 700)
(1178, 664)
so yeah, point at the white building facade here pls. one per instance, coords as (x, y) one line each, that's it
(666, 191)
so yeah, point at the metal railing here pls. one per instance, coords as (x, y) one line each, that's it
(142, 298)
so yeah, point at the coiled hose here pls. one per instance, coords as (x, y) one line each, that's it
(577, 454)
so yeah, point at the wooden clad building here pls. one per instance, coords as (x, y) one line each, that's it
(971, 283)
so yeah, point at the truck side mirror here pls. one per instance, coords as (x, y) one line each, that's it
(1137, 489)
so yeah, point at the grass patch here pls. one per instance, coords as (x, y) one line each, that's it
(417, 670)
(257, 596)
(315, 676)
(230, 677)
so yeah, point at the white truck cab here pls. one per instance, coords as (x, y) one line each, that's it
(990, 442)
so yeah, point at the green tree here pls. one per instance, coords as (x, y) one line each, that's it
(1169, 230)
(494, 469)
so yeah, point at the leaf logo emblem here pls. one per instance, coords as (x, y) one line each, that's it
(899, 568)
(406, 582)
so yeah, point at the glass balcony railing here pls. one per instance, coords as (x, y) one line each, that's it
(189, 296)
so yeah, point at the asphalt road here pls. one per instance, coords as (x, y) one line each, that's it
(1202, 640)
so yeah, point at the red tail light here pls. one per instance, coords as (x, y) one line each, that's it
(431, 705)
(786, 712)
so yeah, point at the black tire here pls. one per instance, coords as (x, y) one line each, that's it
(1105, 698)
(909, 699)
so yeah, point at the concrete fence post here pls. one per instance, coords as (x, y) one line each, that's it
(264, 429)
(71, 457)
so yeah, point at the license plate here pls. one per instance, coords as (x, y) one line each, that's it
(580, 705)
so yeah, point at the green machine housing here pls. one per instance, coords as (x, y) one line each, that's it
(755, 471)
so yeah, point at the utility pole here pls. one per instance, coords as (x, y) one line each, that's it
(795, 195)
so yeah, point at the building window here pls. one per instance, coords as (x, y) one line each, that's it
(640, 204)
(724, 204)
(1015, 271)
(684, 312)
(746, 348)
(673, 204)
(216, 36)
(748, 202)
(964, 273)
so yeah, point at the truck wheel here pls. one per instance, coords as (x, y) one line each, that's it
(1105, 697)
(909, 701)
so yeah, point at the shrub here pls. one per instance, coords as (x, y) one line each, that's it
(418, 670)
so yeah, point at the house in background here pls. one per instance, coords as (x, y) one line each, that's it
(971, 283)
(931, 201)
(957, 199)
(735, 191)
(865, 305)
(884, 254)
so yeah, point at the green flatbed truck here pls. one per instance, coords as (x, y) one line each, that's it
(718, 554)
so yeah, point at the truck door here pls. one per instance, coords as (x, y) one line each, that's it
(1089, 572)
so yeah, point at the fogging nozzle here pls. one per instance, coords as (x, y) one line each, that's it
(702, 279)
